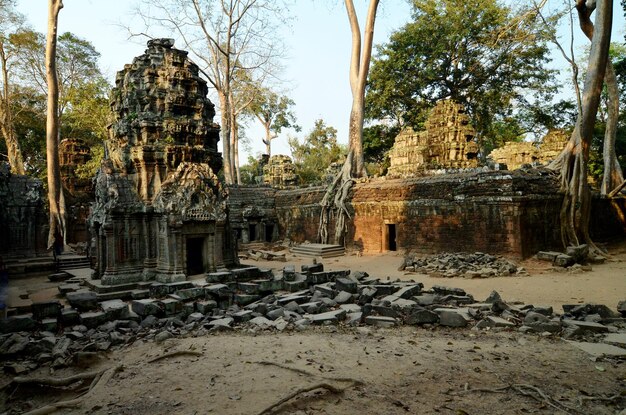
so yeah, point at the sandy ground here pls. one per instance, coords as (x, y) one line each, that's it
(364, 370)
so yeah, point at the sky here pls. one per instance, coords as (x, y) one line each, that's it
(317, 60)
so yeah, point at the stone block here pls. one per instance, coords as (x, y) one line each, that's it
(403, 304)
(422, 316)
(22, 322)
(311, 268)
(114, 309)
(140, 294)
(145, 307)
(318, 278)
(328, 317)
(158, 290)
(225, 323)
(578, 253)
(351, 308)
(69, 317)
(409, 291)
(495, 321)
(548, 256)
(245, 274)
(218, 291)
(83, 300)
(452, 317)
(190, 294)
(600, 350)
(325, 290)
(219, 277)
(343, 297)
(366, 295)
(289, 273)
(441, 290)
(563, 260)
(49, 324)
(621, 307)
(249, 288)
(293, 286)
(206, 306)
(380, 321)
(265, 285)
(68, 288)
(261, 322)
(93, 319)
(245, 299)
(380, 310)
(243, 316)
(172, 287)
(385, 289)
(275, 313)
(346, 284)
(586, 326)
(46, 309)
(299, 298)
(170, 306)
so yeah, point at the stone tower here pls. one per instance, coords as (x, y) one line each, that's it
(160, 210)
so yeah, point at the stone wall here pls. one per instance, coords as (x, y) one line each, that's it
(298, 213)
(23, 216)
(252, 212)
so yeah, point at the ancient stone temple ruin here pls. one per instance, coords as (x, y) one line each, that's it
(515, 154)
(447, 142)
(280, 172)
(160, 210)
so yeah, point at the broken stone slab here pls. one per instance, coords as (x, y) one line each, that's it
(245, 274)
(289, 272)
(298, 297)
(313, 307)
(83, 300)
(170, 306)
(69, 317)
(422, 316)
(190, 294)
(533, 317)
(261, 322)
(114, 309)
(49, 324)
(495, 321)
(366, 295)
(451, 317)
(205, 306)
(68, 288)
(600, 350)
(585, 309)
(140, 294)
(249, 288)
(578, 253)
(274, 314)
(61, 347)
(297, 285)
(456, 299)
(369, 309)
(59, 276)
(350, 308)
(218, 291)
(381, 321)
(146, 307)
(402, 304)
(45, 309)
(563, 261)
(385, 289)
(441, 290)
(311, 268)
(325, 290)
(549, 256)
(343, 297)
(328, 317)
(425, 299)
(616, 339)
(221, 324)
(586, 326)
(242, 316)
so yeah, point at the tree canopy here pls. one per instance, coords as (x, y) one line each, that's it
(485, 55)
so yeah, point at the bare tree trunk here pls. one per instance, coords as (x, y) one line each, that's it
(55, 189)
(613, 175)
(235, 146)
(359, 68)
(576, 208)
(225, 131)
(268, 140)
(14, 152)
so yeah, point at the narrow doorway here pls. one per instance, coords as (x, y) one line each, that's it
(195, 263)
(269, 232)
(391, 237)
(252, 232)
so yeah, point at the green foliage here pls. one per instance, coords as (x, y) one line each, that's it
(377, 141)
(317, 151)
(89, 169)
(252, 170)
(482, 54)
(274, 110)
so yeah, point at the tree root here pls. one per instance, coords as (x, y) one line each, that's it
(335, 201)
(175, 354)
(321, 385)
(618, 189)
(355, 382)
(101, 377)
(49, 381)
(530, 391)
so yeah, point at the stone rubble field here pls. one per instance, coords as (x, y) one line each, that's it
(250, 301)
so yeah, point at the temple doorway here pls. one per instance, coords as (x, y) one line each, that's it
(195, 260)
(391, 237)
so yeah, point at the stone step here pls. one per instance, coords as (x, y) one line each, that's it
(319, 250)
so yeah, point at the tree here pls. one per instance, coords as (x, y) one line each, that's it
(359, 69)
(316, 153)
(484, 55)
(55, 189)
(10, 21)
(273, 112)
(572, 163)
(226, 37)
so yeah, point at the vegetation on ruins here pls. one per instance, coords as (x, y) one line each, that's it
(573, 162)
(232, 41)
(486, 56)
(316, 152)
(56, 197)
(274, 113)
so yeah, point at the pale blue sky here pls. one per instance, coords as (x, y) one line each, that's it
(316, 68)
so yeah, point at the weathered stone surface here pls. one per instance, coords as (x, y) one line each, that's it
(380, 321)
(328, 317)
(617, 339)
(170, 306)
(495, 321)
(69, 317)
(114, 309)
(147, 307)
(586, 326)
(83, 300)
(206, 306)
(621, 307)
(24, 322)
(600, 350)
(563, 260)
(45, 309)
(452, 317)
(221, 324)
(93, 319)
(346, 284)
(343, 297)
(409, 291)
(280, 172)
(422, 316)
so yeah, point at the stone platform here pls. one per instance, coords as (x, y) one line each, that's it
(319, 250)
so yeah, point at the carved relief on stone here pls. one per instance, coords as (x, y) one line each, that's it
(515, 154)
(280, 172)
(447, 142)
(552, 144)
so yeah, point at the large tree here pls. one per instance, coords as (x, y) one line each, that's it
(274, 113)
(226, 37)
(573, 161)
(10, 21)
(56, 199)
(484, 55)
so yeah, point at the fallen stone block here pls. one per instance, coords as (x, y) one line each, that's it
(533, 317)
(114, 309)
(385, 289)
(351, 308)
(369, 309)
(549, 256)
(328, 317)
(422, 316)
(68, 288)
(225, 323)
(158, 290)
(49, 324)
(205, 306)
(563, 261)
(289, 272)
(409, 291)
(441, 290)
(46, 309)
(59, 276)
(61, 347)
(190, 294)
(140, 294)
(380, 321)
(261, 322)
(347, 285)
(586, 326)
(93, 319)
(274, 314)
(145, 307)
(621, 307)
(354, 319)
(218, 291)
(242, 316)
(69, 317)
(249, 288)
(245, 299)
(298, 297)
(170, 306)
(456, 299)
(366, 295)
(245, 274)
(267, 285)
(452, 318)
(325, 290)
(219, 277)
(22, 322)
(495, 321)
(311, 268)
(578, 253)
(297, 285)
(343, 297)
(83, 300)
(403, 304)
(425, 299)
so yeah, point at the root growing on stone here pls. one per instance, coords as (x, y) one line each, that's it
(335, 201)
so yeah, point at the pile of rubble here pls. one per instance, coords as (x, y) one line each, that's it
(251, 300)
(476, 265)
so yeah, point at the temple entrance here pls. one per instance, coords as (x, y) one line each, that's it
(252, 232)
(391, 237)
(195, 260)
(269, 232)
